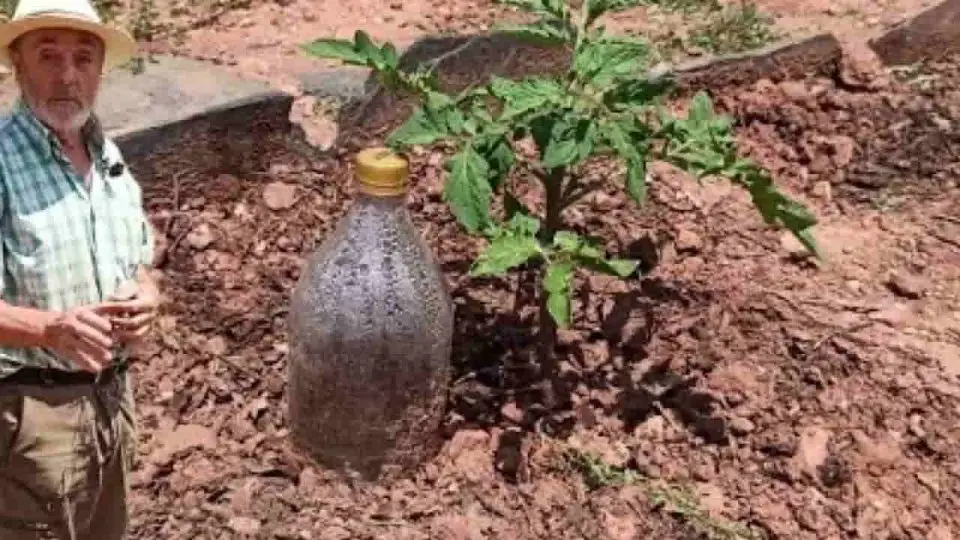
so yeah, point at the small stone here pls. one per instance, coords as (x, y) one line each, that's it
(792, 246)
(217, 346)
(512, 412)
(200, 237)
(279, 195)
(812, 451)
(823, 190)
(688, 242)
(841, 148)
(335, 533)
(908, 285)
(795, 91)
(741, 426)
(245, 525)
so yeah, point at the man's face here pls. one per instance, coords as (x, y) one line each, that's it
(59, 74)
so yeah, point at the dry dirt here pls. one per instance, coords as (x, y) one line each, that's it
(802, 401)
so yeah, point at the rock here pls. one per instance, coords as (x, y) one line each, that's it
(335, 533)
(812, 451)
(279, 195)
(182, 438)
(908, 285)
(795, 91)
(823, 190)
(841, 150)
(200, 237)
(882, 453)
(792, 246)
(688, 242)
(741, 426)
(512, 412)
(217, 346)
(244, 525)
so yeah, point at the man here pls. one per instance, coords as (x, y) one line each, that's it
(75, 288)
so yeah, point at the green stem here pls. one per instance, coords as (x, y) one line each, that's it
(553, 185)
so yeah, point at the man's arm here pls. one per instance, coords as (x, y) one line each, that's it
(24, 327)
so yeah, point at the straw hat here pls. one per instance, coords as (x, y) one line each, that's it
(75, 14)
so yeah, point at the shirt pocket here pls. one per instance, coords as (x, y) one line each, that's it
(48, 251)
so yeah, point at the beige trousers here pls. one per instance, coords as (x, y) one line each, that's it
(65, 456)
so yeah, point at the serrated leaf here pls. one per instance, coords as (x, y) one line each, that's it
(571, 140)
(606, 61)
(521, 97)
(555, 8)
(543, 33)
(597, 8)
(420, 128)
(567, 241)
(335, 49)
(524, 224)
(506, 252)
(556, 284)
(637, 180)
(468, 189)
(498, 154)
(366, 47)
(637, 93)
(701, 108)
(612, 267)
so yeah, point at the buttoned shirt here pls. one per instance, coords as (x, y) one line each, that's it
(66, 242)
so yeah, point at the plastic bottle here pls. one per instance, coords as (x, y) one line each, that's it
(371, 328)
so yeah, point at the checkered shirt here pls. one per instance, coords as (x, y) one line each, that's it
(64, 245)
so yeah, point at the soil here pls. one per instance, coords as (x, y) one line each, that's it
(801, 400)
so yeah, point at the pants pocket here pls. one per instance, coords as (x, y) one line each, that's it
(11, 418)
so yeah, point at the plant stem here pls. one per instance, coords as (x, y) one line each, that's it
(553, 185)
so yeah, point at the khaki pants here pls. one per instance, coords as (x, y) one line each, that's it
(65, 456)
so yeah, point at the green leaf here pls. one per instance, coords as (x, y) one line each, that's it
(366, 47)
(571, 141)
(637, 180)
(497, 152)
(505, 252)
(336, 49)
(468, 189)
(522, 223)
(637, 93)
(543, 33)
(420, 128)
(567, 241)
(606, 61)
(596, 8)
(556, 284)
(521, 97)
(632, 148)
(554, 8)
(589, 254)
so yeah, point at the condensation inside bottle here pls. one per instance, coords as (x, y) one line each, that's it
(371, 326)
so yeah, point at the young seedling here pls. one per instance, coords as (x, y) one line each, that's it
(604, 106)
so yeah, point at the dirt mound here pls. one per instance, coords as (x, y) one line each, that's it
(734, 382)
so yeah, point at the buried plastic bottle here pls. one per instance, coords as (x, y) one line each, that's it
(371, 328)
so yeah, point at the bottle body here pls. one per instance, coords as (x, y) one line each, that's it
(371, 329)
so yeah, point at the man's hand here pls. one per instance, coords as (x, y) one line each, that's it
(131, 310)
(82, 336)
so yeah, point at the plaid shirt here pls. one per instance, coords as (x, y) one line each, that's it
(64, 245)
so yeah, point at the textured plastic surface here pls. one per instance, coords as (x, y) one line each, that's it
(371, 327)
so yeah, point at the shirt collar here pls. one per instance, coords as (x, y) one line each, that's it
(91, 132)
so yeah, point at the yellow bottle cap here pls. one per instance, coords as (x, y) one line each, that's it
(381, 172)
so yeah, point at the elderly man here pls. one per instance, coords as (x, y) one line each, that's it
(75, 288)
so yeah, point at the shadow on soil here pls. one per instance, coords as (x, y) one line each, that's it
(611, 370)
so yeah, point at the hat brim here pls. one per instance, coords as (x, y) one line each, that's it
(119, 46)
